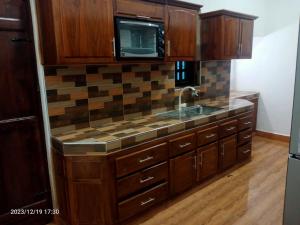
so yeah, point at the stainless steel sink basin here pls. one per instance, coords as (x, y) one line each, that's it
(189, 112)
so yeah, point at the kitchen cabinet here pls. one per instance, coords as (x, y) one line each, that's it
(115, 186)
(228, 152)
(226, 35)
(207, 160)
(183, 172)
(140, 9)
(79, 31)
(181, 33)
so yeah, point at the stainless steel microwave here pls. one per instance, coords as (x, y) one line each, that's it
(137, 39)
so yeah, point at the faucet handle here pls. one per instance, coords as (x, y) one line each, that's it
(195, 93)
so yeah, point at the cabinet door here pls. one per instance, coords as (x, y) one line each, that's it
(231, 37)
(181, 33)
(207, 158)
(246, 38)
(228, 152)
(182, 172)
(86, 31)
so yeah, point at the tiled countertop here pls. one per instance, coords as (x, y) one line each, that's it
(243, 94)
(117, 135)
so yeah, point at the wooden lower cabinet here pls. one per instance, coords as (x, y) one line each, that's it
(207, 161)
(228, 154)
(183, 172)
(111, 188)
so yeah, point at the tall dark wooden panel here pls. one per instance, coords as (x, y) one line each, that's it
(24, 180)
(246, 38)
(231, 37)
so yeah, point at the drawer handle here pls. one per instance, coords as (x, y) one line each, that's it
(148, 158)
(185, 145)
(148, 201)
(143, 17)
(146, 180)
(210, 136)
(230, 128)
(246, 151)
(247, 137)
(246, 123)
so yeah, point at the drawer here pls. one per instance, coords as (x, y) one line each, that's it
(245, 122)
(228, 128)
(143, 179)
(207, 136)
(244, 152)
(142, 159)
(182, 144)
(244, 136)
(141, 202)
(140, 9)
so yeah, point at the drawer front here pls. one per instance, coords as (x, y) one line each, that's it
(207, 136)
(228, 128)
(244, 137)
(142, 201)
(140, 9)
(244, 152)
(143, 179)
(245, 122)
(142, 159)
(182, 144)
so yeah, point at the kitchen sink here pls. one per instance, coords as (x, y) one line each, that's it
(189, 112)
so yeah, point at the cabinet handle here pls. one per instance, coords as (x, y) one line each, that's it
(185, 145)
(246, 151)
(246, 123)
(246, 137)
(201, 160)
(169, 48)
(231, 128)
(20, 40)
(148, 201)
(143, 17)
(195, 162)
(114, 46)
(241, 48)
(210, 136)
(146, 180)
(223, 150)
(148, 158)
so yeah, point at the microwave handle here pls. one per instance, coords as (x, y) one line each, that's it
(114, 46)
(169, 47)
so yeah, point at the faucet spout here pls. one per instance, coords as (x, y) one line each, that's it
(195, 93)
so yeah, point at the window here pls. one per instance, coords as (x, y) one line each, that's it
(185, 73)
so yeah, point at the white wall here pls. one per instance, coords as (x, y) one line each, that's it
(271, 70)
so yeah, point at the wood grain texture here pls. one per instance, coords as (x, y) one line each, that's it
(250, 195)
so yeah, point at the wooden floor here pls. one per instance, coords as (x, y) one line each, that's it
(250, 195)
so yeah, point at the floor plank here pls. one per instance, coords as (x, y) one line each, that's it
(251, 195)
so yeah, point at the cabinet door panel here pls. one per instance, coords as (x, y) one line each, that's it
(23, 171)
(181, 33)
(86, 28)
(183, 172)
(228, 152)
(246, 38)
(207, 161)
(231, 37)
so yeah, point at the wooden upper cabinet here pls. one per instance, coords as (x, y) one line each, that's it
(181, 35)
(76, 31)
(226, 35)
(246, 38)
(139, 9)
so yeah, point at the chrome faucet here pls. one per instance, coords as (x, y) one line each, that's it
(195, 93)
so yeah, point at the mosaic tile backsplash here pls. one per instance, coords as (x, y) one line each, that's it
(84, 96)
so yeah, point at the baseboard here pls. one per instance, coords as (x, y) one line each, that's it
(272, 136)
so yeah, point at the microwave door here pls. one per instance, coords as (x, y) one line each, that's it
(138, 39)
